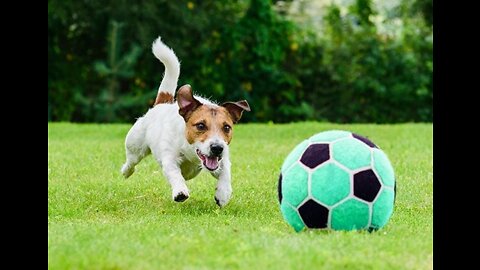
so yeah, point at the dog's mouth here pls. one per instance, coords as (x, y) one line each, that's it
(209, 162)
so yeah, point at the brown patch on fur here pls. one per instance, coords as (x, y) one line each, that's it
(186, 102)
(163, 97)
(215, 120)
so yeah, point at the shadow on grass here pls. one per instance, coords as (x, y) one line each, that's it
(204, 206)
(162, 204)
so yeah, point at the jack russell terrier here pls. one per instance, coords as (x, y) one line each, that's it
(184, 135)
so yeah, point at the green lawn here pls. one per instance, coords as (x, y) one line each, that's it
(99, 220)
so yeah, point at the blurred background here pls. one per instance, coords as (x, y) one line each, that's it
(324, 60)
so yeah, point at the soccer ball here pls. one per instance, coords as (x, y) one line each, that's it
(337, 180)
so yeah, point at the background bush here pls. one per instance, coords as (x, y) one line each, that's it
(342, 68)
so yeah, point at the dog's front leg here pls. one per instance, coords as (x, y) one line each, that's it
(173, 173)
(223, 191)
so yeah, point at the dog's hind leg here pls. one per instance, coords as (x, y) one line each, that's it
(134, 156)
(135, 149)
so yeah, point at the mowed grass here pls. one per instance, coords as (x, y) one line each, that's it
(99, 220)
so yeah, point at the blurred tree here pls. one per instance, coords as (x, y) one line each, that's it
(119, 65)
(343, 70)
(368, 76)
(256, 65)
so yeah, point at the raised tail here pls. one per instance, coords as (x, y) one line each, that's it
(167, 88)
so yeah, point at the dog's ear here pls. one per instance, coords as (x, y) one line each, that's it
(236, 109)
(186, 102)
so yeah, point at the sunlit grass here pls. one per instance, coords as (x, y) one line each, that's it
(99, 220)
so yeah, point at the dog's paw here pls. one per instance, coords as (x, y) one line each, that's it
(223, 195)
(221, 202)
(181, 195)
(127, 170)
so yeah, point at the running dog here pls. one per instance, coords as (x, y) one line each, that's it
(185, 134)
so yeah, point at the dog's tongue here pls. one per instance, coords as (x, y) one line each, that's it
(211, 163)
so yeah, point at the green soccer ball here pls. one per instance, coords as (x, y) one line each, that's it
(337, 180)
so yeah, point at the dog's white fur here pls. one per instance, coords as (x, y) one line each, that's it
(161, 131)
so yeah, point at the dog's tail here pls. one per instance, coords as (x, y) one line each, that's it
(167, 88)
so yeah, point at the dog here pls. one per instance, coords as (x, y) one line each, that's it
(184, 135)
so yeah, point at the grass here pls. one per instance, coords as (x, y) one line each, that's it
(98, 220)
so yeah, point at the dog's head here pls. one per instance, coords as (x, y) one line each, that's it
(209, 127)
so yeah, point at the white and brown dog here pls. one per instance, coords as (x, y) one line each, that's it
(184, 136)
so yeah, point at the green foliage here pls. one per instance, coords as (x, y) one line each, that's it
(257, 50)
(101, 68)
(107, 106)
(366, 76)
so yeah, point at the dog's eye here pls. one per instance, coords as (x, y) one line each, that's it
(227, 128)
(201, 126)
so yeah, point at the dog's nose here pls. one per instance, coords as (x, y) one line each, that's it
(216, 149)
